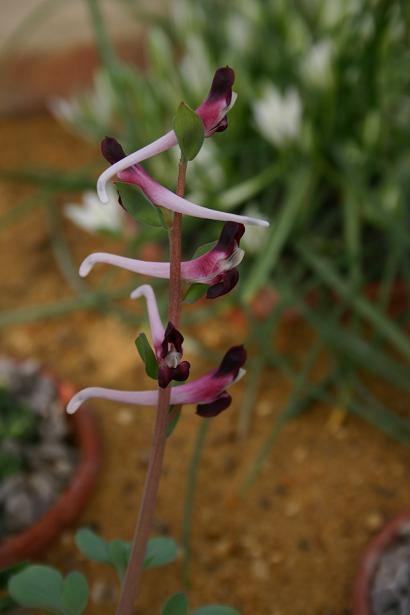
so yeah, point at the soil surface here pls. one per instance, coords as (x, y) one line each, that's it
(292, 544)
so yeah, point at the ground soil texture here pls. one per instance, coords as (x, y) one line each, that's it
(291, 546)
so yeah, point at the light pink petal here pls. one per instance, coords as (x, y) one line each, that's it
(140, 398)
(157, 328)
(165, 198)
(156, 147)
(151, 268)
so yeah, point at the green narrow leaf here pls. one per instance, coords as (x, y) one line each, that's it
(195, 292)
(91, 545)
(38, 587)
(174, 416)
(176, 605)
(138, 206)
(189, 130)
(75, 593)
(147, 355)
(160, 551)
(215, 609)
(119, 553)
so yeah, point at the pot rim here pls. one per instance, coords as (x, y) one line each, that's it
(370, 559)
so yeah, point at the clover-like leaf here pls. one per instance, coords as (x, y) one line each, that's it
(177, 604)
(38, 587)
(189, 130)
(119, 553)
(160, 551)
(91, 545)
(74, 595)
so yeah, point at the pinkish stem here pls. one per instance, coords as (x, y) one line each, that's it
(131, 584)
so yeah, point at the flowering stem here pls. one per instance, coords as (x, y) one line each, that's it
(130, 587)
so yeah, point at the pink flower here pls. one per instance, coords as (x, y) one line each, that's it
(167, 342)
(208, 391)
(163, 197)
(216, 268)
(212, 111)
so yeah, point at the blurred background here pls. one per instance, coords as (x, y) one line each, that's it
(312, 458)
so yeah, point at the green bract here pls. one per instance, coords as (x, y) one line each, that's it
(189, 130)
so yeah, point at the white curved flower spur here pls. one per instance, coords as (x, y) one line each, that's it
(158, 194)
(208, 391)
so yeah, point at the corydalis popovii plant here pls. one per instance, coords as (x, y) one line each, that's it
(216, 268)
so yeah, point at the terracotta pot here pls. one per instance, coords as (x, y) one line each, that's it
(370, 560)
(33, 541)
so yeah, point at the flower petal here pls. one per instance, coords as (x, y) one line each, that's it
(215, 407)
(157, 328)
(165, 198)
(228, 281)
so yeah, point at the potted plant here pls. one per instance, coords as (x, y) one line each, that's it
(382, 583)
(48, 463)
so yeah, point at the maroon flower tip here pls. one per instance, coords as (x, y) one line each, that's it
(112, 150)
(233, 360)
(226, 282)
(174, 337)
(166, 374)
(223, 125)
(222, 84)
(181, 373)
(215, 407)
(231, 232)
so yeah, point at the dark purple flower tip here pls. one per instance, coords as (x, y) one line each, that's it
(226, 282)
(112, 150)
(172, 336)
(232, 362)
(214, 407)
(181, 372)
(222, 84)
(230, 234)
(166, 374)
(223, 125)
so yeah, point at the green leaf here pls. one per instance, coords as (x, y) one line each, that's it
(174, 416)
(75, 593)
(147, 355)
(215, 609)
(160, 551)
(138, 206)
(91, 545)
(119, 551)
(176, 605)
(195, 292)
(204, 248)
(38, 587)
(189, 130)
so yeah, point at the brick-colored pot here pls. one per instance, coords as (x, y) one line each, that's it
(33, 541)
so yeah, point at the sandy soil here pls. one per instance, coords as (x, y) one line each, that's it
(291, 546)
